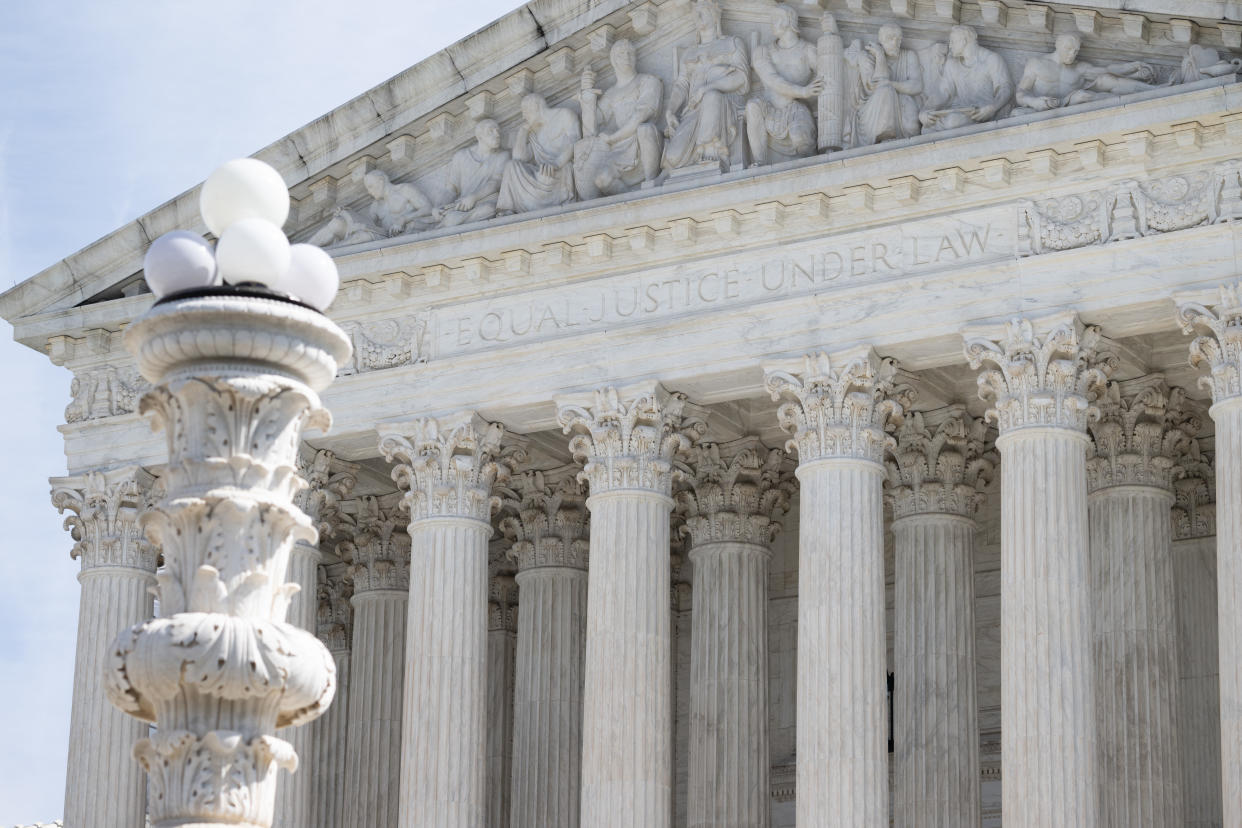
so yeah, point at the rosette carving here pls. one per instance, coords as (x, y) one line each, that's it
(1219, 345)
(105, 508)
(631, 442)
(839, 406)
(1049, 380)
(1194, 492)
(736, 491)
(379, 549)
(938, 464)
(1142, 429)
(447, 467)
(547, 520)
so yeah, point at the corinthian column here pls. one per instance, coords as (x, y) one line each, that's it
(1043, 384)
(329, 745)
(1142, 427)
(736, 496)
(549, 530)
(502, 621)
(1219, 348)
(236, 383)
(628, 441)
(447, 468)
(937, 477)
(836, 411)
(104, 786)
(1198, 700)
(380, 569)
(295, 800)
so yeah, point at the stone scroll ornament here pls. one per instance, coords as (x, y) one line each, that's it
(237, 373)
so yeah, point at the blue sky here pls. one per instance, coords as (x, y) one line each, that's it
(109, 109)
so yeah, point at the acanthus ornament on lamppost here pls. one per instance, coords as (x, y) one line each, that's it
(237, 371)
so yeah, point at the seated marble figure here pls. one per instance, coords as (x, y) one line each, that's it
(1061, 79)
(541, 172)
(473, 178)
(885, 89)
(779, 126)
(974, 85)
(621, 144)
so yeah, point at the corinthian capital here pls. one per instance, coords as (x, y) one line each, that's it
(335, 616)
(1194, 492)
(448, 466)
(1143, 427)
(328, 482)
(630, 438)
(938, 464)
(736, 491)
(103, 523)
(548, 520)
(1219, 345)
(378, 550)
(1045, 380)
(502, 603)
(839, 405)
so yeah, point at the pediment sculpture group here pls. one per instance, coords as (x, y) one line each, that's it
(717, 117)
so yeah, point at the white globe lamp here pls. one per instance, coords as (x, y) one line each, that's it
(179, 261)
(242, 189)
(253, 250)
(311, 276)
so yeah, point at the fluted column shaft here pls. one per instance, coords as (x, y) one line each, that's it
(295, 797)
(935, 722)
(1194, 562)
(1135, 655)
(377, 674)
(1227, 415)
(105, 785)
(1047, 706)
(501, 655)
(330, 760)
(627, 743)
(842, 715)
(547, 726)
(444, 723)
(729, 753)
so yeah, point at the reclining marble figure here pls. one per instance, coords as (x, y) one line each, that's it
(621, 144)
(396, 209)
(1060, 79)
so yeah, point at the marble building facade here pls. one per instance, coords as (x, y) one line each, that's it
(759, 415)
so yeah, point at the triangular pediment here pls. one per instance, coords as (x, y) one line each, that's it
(410, 127)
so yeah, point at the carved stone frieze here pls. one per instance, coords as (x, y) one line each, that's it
(1129, 210)
(107, 391)
(1194, 492)
(1049, 380)
(386, 343)
(839, 406)
(1219, 346)
(547, 521)
(631, 441)
(938, 464)
(334, 615)
(448, 466)
(378, 551)
(104, 523)
(1143, 427)
(736, 491)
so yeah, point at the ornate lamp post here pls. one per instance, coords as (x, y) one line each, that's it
(237, 371)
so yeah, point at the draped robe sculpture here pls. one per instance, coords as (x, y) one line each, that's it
(779, 125)
(540, 173)
(473, 178)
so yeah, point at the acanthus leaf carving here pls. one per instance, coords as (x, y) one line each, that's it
(631, 441)
(502, 603)
(1219, 345)
(939, 464)
(547, 521)
(105, 507)
(736, 492)
(1049, 380)
(839, 406)
(334, 615)
(1143, 427)
(378, 548)
(1194, 493)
